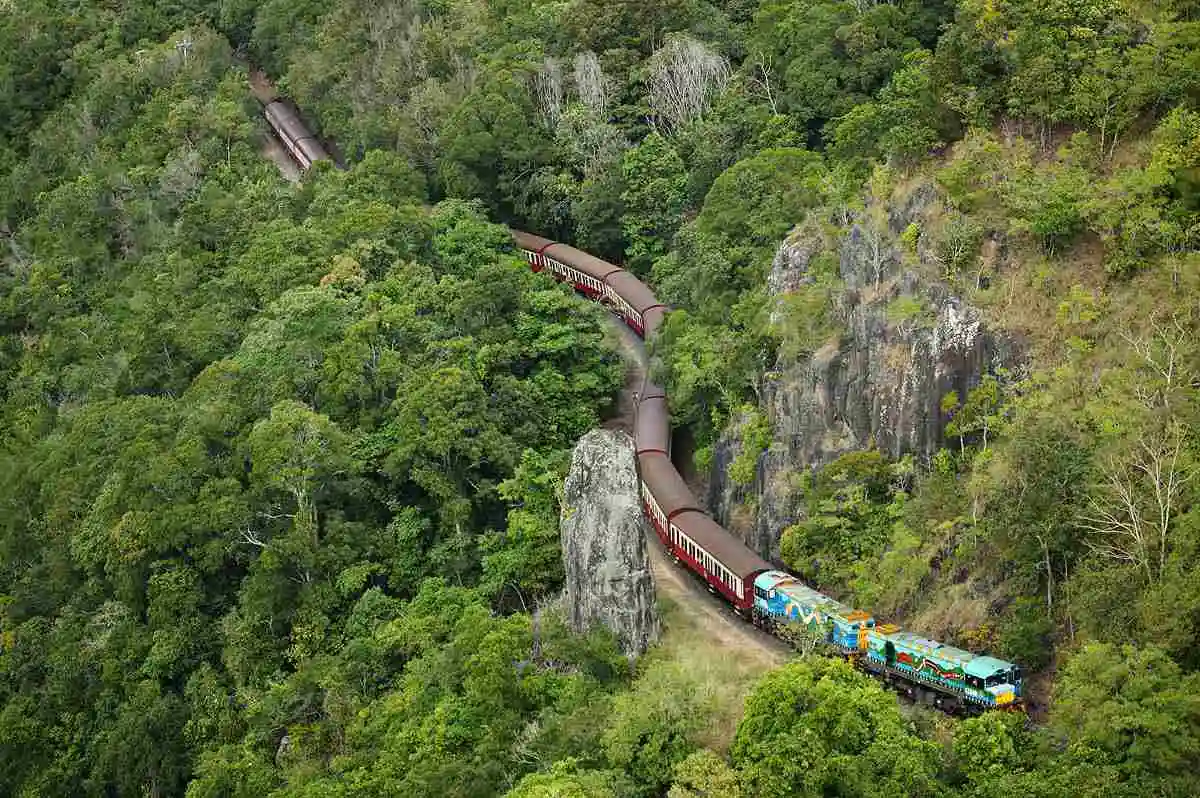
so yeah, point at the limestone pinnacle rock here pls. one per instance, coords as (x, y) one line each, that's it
(603, 532)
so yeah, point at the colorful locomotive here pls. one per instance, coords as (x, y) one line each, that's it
(925, 669)
(958, 679)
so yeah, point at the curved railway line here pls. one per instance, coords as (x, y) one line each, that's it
(925, 670)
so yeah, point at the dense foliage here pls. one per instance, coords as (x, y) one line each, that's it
(279, 463)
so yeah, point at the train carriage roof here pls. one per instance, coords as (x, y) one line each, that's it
(652, 319)
(633, 291)
(287, 120)
(983, 667)
(651, 390)
(652, 429)
(670, 491)
(529, 241)
(727, 549)
(578, 259)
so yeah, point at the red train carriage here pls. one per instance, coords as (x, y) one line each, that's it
(652, 427)
(632, 299)
(296, 138)
(664, 493)
(597, 278)
(532, 247)
(586, 272)
(724, 562)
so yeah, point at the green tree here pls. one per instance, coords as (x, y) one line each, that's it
(1135, 708)
(818, 725)
(654, 197)
(563, 781)
(904, 123)
(981, 413)
(703, 773)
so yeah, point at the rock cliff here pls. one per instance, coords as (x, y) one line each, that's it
(604, 546)
(901, 342)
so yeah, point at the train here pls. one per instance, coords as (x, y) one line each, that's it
(300, 143)
(926, 670)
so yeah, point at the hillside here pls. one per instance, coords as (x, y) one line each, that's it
(279, 463)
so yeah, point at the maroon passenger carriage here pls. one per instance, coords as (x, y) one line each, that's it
(596, 278)
(300, 143)
(726, 564)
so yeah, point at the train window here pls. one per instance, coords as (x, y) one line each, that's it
(975, 682)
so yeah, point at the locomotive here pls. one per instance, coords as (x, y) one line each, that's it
(927, 670)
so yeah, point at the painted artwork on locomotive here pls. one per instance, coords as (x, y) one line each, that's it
(985, 681)
(982, 680)
(782, 598)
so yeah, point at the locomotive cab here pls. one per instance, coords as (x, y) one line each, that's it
(996, 681)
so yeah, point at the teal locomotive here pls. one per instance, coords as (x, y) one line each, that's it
(929, 671)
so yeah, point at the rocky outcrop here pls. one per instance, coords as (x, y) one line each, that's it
(902, 342)
(604, 542)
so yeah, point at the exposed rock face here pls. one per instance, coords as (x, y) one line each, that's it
(905, 342)
(604, 545)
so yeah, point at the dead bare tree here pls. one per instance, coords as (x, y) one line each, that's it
(1045, 566)
(548, 87)
(19, 258)
(1162, 353)
(392, 59)
(591, 84)
(251, 536)
(592, 142)
(1130, 517)
(684, 76)
(874, 232)
(762, 79)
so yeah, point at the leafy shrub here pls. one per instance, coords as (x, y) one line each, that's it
(1026, 637)
(907, 308)
(756, 437)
